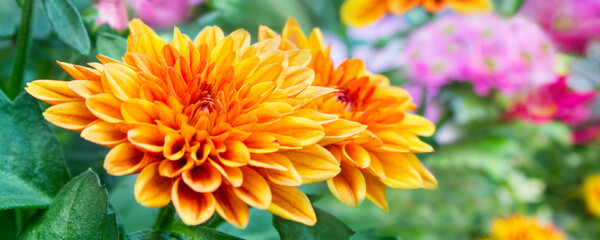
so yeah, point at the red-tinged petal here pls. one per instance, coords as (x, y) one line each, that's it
(292, 204)
(174, 147)
(349, 186)
(146, 137)
(171, 169)
(314, 163)
(232, 175)
(52, 91)
(105, 107)
(231, 208)
(202, 178)
(356, 155)
(71, 115)
(376, 192)
(103, 133)
(254, 189)
(151, 189)
(125, 159)
(192, 207)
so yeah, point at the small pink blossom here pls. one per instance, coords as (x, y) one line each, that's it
(556, 101)
(162, 13)
(490, 52)
(572, 24)
(113, 13)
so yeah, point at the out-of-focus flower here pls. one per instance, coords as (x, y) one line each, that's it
(476, 49)
(555, 101)
(383, 154)
(162, 13)
(113, 13)
(213, 124)
(363, 12)
(382, 29)
(586, 134)
(519, 227)
(571, 24)
(591, 194)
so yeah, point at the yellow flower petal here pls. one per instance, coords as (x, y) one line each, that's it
(192, 207)
(358, 13)
(52, 91)
(71, 115)
(151, 189)
(292, 204)
(231, 208)
(349, 186)
(314, 163)
(254, 189)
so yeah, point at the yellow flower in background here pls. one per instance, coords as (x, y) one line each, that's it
(360, 13)
(384, 153)
(518, 227)
(591, 194)
(211, 124)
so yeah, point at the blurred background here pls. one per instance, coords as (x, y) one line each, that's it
(512, 92)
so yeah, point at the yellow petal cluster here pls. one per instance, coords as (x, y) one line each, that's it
(360, 13)
(211, 124)
(519, 227)
(375, 137)
(591, 194)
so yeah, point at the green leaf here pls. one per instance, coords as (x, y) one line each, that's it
(66, 22)
(467, 107)
(111, 45)
(508, 8)
(8, 224)
(31, 161)
(180, 231)
(327, 227)
(369, 235)
(9, 17)
(79, 211)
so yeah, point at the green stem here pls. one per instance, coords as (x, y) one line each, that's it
(16, 76)
(423, 102)
(164, 218)
(215, 222)
(443, 119)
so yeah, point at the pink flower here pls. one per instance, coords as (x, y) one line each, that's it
(555, 101)
(162, 13)
(572, 24)
(113, 13)
(492, 53)
(586, 134)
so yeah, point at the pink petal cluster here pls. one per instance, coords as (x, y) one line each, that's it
(113, 13)
(489, 51)
(556, 101)
(572, 24)
(162, 13)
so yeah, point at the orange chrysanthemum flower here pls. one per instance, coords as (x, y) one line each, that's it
(213, 124)
(518, 227)
(591, 194)
(381, 155)
(363, 12)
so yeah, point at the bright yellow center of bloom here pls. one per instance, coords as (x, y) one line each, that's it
(518, 227)
(359, 13)
(591, 194)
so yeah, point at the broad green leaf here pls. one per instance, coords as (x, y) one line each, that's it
(7, 224)
(467, 107)
(369, 235)
(248, 14)
(9, 17)
(31, 161)
(79, 211)
(66, 22)
(178, 230)
(327, 227)
(508, 8)
(111, 45)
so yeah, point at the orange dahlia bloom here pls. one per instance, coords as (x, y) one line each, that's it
(359, 13)
(591, 194)
(383, 154)
(518, 227)
(211, 124)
